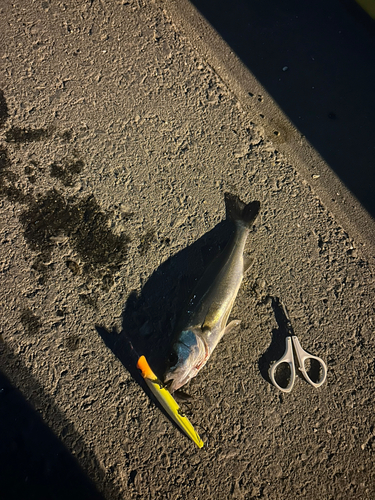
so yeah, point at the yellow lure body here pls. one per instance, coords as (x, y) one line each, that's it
(167, 401)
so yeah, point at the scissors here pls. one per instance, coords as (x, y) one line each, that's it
(293, 349)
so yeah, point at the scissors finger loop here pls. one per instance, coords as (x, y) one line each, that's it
(286, 359)
(317, 365)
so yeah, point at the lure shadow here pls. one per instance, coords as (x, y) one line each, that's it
(148, 319)
(277, 347)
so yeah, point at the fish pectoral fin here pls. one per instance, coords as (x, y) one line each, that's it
(206, 329)
(231, 326)
(247, 262)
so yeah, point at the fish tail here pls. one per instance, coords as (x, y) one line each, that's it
(239, 211)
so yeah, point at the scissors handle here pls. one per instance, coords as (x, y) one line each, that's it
(302, 356)
(287, 359)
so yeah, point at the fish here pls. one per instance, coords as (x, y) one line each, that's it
(203, 321)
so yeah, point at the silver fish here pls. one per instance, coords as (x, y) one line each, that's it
(204, 321)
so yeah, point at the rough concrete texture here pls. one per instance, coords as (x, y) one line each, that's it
(118, 141)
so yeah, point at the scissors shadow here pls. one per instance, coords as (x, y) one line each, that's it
(274, 352)
(278, 342)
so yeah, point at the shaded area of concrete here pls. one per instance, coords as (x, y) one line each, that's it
(317, 60)
(35, 462)
(147, 326)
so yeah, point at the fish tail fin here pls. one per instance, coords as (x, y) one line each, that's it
(239, 211)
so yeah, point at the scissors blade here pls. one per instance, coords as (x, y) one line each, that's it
(288, 323)
(282, 317)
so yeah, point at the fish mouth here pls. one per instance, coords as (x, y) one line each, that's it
(173, 384)
(176, 377)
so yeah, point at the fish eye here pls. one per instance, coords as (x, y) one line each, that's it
(172, 358)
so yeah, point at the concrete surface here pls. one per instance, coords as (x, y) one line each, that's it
(317, 61)
(118, 140)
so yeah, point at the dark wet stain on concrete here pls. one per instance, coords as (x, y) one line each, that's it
(30, 321)
(90, 299)
(66, 171)
(52, 219)
(29, 171)
(67, 135)
(86, 226)
(146, 241)
(73, 267)
(4, 113)
(73, 342)
(4, 161)
(8, 180)
(42, 270)
(22, 135)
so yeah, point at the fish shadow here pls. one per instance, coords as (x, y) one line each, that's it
(148, 318)
(278, 342)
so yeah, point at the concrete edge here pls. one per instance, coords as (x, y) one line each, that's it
(254, 99)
